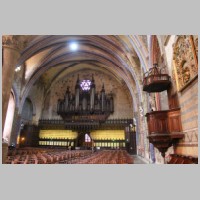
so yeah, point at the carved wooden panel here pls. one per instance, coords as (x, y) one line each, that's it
(185, 60)
(174, 124)
(164, 128)
(173, 101)
(168, 121)
(157, 122)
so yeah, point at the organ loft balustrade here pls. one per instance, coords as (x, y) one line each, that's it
(79, 124)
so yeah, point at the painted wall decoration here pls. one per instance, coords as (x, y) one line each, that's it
(122, 102)
(185, 61)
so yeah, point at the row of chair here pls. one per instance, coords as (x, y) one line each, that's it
(61, 156)
(45, 156)
(106, 157)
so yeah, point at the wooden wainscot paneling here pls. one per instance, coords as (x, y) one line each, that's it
(174, 120)
(157, 122)
(166, 121)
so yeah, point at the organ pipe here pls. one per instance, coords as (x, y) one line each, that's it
(77, 93)
(92, 99)
(85, 101)
(111, 104)
(103, 99)
(62, 107)
(92, 94)
(77, 100)
(67, 98)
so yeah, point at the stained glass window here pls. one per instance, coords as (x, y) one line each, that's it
(85, 85)
(87, 138)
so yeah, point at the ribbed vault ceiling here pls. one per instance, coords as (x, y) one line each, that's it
(48, 57)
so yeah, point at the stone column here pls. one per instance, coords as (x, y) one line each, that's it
(15, 128)
(10, 56)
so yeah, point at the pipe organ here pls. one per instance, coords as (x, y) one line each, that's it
(85, 101)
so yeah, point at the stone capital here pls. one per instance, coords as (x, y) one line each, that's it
(12, 41)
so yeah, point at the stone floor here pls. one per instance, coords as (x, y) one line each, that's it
(139, 160)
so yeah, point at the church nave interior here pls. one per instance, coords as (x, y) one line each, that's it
(99, 99)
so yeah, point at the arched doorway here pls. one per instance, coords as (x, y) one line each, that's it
(84, 140)
(9, 119)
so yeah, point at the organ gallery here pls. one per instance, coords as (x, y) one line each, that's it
(85, 101)
(100, 99)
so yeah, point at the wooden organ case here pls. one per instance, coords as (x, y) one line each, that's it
(86, 103)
